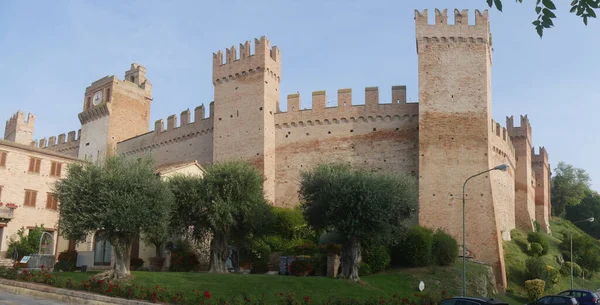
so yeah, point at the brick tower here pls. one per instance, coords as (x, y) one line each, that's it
(246, 100)
(19, 128)
(541, 169)
(454, 127)
(524, 188)
(114, 110)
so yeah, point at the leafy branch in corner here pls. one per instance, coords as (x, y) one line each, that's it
(545, 11)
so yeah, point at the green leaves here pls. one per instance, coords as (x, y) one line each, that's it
(544, 9)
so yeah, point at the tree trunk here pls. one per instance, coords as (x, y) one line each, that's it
(122, 252)
(351, 258)
(218, 253)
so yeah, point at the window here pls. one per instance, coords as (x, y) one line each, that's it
(55, 169)
(89, 102)
(30, 197)
(51, 201)
(1, 192)
(107, 94)
(34, 165)
(2, 159)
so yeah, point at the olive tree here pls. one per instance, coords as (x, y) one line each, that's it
(360, 205)
(226, 204)
(118, 197)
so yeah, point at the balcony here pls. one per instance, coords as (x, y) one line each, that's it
(6, 214)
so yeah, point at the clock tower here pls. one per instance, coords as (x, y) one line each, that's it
(114, 110)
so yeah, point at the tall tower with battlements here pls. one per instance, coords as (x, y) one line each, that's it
(19, 128)
(524, 184)
(541, 169)
(246, 92)
(454, 63)
(114, 110)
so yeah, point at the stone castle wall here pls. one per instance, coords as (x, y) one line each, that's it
(372, 136)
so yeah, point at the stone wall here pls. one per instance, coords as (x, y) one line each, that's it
(373, 136)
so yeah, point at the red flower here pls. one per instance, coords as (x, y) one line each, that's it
(443, 292)
(207, 294)
(306, 298)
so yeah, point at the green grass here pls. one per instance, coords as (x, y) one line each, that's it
(515, 262)
(403, 282)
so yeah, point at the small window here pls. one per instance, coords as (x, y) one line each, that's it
(3, 158)
(30, 198)
(55, 169)
(107, 95)
(34, 165)
(89, 102)
(51, 201)
(133, 79)
(1, 192)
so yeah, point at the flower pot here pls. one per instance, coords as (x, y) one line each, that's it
(156, 263)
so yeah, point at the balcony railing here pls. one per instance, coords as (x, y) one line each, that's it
(6, 214)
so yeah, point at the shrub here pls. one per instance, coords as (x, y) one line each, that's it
(565, 269)
(364, 269)
(536, 249)
(184, 261)
(25, 244)
(377, 257)
(534, 268)
(444, 250)
(535, 289)
(136, 263)
(70, 256)
(415, 249)
(537, 237)
(300, 267)
(65, 266)
(552, 275)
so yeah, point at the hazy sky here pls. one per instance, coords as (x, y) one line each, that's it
(50, 51)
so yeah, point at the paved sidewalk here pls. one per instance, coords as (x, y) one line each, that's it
(14, 299)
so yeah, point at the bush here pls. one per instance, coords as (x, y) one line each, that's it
(444, 250)
(415, 249)
(364, 269)
(535, 289)
(537, 237)
(26, 244)
(67, 260)
(183, 258)
(65, 266)
(536, 249)
(565, 269)
(300, 267)
(136, 263)
(535, 268)
(552, 275)
(377, 257)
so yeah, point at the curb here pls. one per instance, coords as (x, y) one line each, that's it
(63, 295)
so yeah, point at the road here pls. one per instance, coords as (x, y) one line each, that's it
(13, 299)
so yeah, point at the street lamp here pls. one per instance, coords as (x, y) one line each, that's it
(501, 167)
(591, 219)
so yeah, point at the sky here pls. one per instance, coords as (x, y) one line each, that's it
(50, 51)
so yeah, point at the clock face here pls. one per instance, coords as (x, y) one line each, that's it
(97, 98)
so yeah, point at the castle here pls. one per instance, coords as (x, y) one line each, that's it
(443, 139)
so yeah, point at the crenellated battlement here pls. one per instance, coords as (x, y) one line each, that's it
(459, 32)
(541, 157)
(344, 99)
(265, 59)
(69, 139)
(503, 134)
(344, 111)
(524, 130)
(19, 128)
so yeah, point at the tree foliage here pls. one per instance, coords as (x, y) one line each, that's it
(545, 10)
(120, 197)
(589, 207)
(227, 204)
(363, 206)
(569, 187)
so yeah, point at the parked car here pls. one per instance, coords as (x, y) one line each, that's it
(584, 297)
(472, 301)
(555, 299)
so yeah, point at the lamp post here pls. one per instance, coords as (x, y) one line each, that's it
(591, 219)
(502, 167)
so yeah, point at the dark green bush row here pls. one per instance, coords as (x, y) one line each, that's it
(424, 247)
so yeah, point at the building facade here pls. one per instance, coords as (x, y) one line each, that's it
(442, 139)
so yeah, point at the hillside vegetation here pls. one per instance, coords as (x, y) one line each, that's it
(518, 251)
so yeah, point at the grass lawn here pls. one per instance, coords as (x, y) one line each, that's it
(515, 263)
(402, 282)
